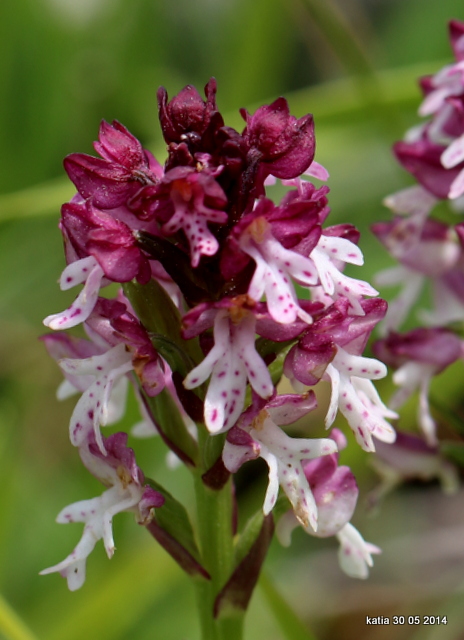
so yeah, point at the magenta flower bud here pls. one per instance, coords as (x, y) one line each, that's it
(187, 115)
(110, 241)
(284, 144)
(124, 169)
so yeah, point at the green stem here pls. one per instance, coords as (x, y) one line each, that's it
(215, 539)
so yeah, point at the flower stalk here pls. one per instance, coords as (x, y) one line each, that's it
(206, 322)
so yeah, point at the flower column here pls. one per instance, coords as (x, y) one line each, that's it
(205, 323)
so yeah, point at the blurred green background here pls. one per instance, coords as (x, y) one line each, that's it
(65, 65)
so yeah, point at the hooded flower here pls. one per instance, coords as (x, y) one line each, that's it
(284, 144)
(231, 362)
(335, 492)
(329, 350)
(284, 455)
(126, 491)
(434, 152)
(110, 181)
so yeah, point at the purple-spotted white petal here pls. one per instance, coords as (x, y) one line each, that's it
(284, 456)
(87, 270)
(355, 554)
(231, 362)
(93, 408)
(275, 267)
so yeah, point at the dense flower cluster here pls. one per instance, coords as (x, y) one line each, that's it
(428, 249)
(223, 293)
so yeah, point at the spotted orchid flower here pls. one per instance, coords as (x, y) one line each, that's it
(335, 492)
(92, 409)
(126, 491)
(191, 199)
(329, 350)
(275, 268)
(99, 367)
(231, 362)
(100, 248)
(354, 395)
(283, 455)
(330, 253)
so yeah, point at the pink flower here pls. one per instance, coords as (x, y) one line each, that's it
(126, 491)
(284, 455)
(418, 356)
(231, 362)
(335, 492)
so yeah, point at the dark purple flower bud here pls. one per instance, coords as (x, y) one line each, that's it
(110, 241)
(116, 144)
(187, 116)
(286, 145)
(112, 180)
